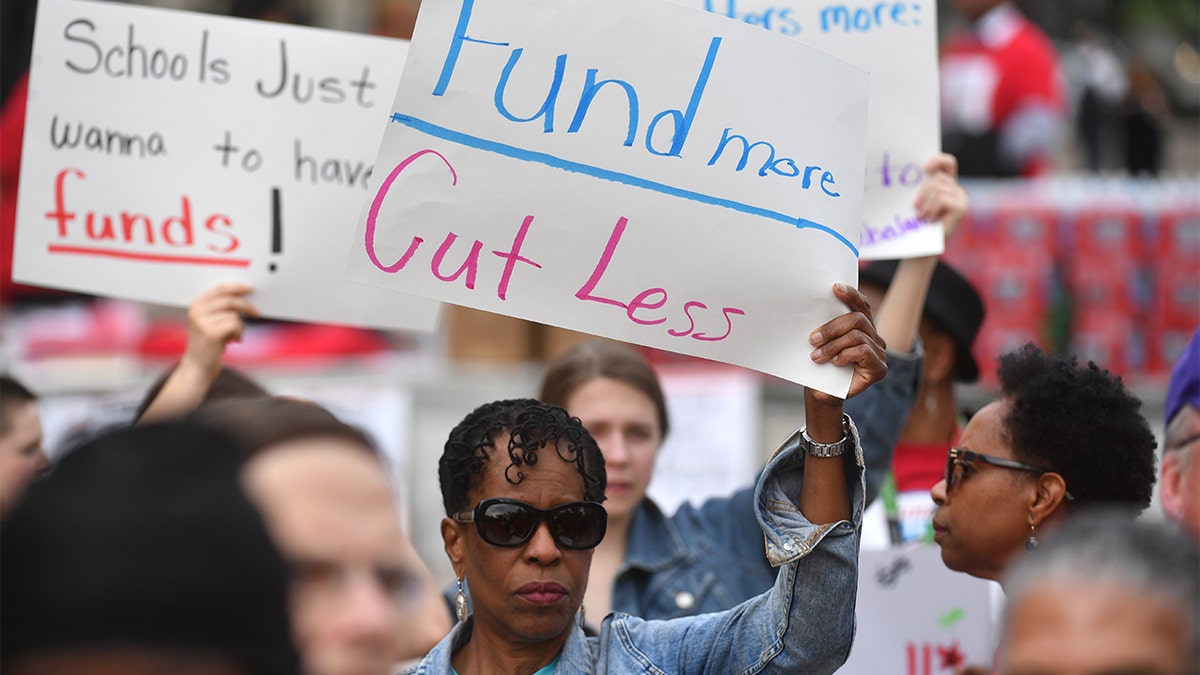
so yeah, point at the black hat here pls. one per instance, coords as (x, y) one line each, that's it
(952, 303)
(144, 538)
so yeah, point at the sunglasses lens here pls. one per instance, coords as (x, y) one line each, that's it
(507, 524)
(580, 525)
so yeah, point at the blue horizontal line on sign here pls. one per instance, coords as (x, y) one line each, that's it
(614, 176)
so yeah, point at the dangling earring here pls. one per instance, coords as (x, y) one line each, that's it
(1033, 542)
(931, 404)
(582, 619)
(460, 603)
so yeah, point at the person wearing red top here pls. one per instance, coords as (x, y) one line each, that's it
(1003, 101)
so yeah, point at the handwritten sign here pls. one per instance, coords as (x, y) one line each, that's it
(631, 169)
(896, 41)
(167, 150)
(916, 617)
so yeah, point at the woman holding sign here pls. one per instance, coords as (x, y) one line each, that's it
(704, 559)
(522, 486)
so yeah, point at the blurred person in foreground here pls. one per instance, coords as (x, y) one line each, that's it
(523, 484)
(1003, 96)
(1105, 594)
(21, 456)
(362, 599)
(141, 555)
(1180, 486)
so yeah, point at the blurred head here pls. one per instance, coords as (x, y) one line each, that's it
(1060, 436)
(21, 456)
(1105, 594)
(950, 321)
(141, 554)
(1180, 491)
(328, 502)
(527, 569)
(617, 396)
(396, 18)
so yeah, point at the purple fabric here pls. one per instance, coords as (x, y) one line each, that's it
(1184, 386)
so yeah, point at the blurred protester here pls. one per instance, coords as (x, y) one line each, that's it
(1060, 437)
(1105, 594)
(1097, 78)
(952, 315)
(1003, 104)
(21, 456)
(362, 599)
(1146, 118)
(214, 320)
(1180, 487)
(140, 554)
(395, 18)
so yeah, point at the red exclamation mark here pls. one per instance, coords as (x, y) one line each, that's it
(276, 226)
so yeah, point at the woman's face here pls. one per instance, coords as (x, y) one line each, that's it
(984, 520)
(624, 422)
(527, 593)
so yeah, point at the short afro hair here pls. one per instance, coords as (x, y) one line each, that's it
(531, 425)
(1080, 422)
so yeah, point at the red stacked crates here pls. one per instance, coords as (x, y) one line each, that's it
(1103, 263)
(1174, 309)
(1011, 265)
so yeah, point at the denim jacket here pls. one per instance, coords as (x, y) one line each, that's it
(704, 559)
(796, 627)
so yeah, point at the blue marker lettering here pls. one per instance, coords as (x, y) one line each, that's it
(590, 87)
(683, 120)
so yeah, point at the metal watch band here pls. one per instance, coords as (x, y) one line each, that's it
(835, 449)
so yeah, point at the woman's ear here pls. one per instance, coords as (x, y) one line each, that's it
(940, 354)
(1051, 493)
(454, 541)
(1169, 491)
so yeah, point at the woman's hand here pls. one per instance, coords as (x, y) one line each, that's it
(850, 339)
(215, 320)
(940, 197)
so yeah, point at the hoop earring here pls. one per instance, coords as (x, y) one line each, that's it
(460, 603)
(1032, 543)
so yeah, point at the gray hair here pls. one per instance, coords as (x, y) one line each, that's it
(1110, 545)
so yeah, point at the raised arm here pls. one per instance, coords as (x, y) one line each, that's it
(214, 320)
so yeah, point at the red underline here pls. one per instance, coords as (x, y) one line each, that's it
(151, 257)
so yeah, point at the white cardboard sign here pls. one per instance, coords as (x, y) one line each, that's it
(631, 169)
(165, 151)
(895, 41)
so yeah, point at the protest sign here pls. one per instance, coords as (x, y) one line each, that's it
(631, 169)
(917, 617)
(895, 41)
(165, 151)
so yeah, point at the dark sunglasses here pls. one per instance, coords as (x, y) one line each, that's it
(956, 467)
(508, 522)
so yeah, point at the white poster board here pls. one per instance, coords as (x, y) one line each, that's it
(916, 617)
(896, 41)
(627, 169)
(165, 151)
(715, 415)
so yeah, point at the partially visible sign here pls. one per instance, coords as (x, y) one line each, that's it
(165, 151)
(631, 169)
(896, 41)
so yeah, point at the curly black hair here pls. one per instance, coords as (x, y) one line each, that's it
(531, 425)
(1080, 422)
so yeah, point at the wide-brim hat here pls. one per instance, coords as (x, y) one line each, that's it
(952, 303)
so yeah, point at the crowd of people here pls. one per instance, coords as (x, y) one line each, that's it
(227, 529)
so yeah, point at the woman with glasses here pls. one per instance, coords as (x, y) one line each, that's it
(1060, 436)
(523, 485)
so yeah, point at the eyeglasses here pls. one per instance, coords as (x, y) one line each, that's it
(957, 467)
(508, 522)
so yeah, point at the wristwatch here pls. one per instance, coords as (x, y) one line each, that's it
(834, 449)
